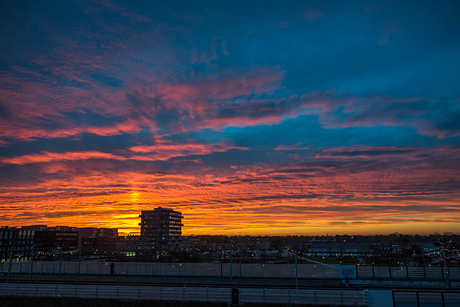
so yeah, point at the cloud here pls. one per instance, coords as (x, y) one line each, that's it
(114, 108)
(368, 152)
(226, 99)
(313, 14)
(165, 151)
(292, 147)
(391, 28)
(145, 102)
(161, 151)
(67, 156)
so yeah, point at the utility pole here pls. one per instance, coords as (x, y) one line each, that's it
(9, 266)
(239, 257)
(445, 266)
(60, 264)
(221, 260)
(79, 260)
(231, 264)
(296, 274)
(424, 264)
(31, 263)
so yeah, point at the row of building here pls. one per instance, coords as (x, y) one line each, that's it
(20, 243)
(160, 234)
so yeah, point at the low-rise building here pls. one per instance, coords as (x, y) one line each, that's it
(253, 243)
(16, 243)
(49, 240)
(98, 241)
(133, 247)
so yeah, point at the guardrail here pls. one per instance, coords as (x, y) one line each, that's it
(185, 294)
(227, 270)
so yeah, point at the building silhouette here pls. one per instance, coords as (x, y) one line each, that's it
(48, 241)
(98, 241)
(16, 243)
(161, 230)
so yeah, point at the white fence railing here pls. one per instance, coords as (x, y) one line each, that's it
(185, 294)
(216, 270)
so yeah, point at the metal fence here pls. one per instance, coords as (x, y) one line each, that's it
(408, 272)
(235, 270)
(199, 294)
(118, 292)
(426, 298)
(314, 297)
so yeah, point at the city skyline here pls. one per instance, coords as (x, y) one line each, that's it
(259, 118)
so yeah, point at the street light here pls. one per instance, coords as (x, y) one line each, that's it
(424, 263)
(31, 263)
(10, 263)
(445, 265)
(60, 264)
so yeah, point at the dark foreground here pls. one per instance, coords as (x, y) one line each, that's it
(77, 302)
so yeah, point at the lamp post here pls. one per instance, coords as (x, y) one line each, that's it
(9, 266)
(221, 260)
(31, 263)
(445, 266)
(239, 257)
(79, 260)
(231, 263)
(296, 274)
(60, 264)
(424, 263)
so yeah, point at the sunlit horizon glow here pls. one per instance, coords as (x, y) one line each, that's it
(260, 118)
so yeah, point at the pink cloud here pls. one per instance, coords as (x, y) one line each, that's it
(391, 28)
(241, 121)
(164, 151)
(159, 152)
(208, 103)
(292, 147)
(22, 131)
(66, 156)
(313, 14)
(360, 151)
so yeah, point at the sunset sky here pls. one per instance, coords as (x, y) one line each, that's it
(249, 117)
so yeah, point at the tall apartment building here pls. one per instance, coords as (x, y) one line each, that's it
(161, 228)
